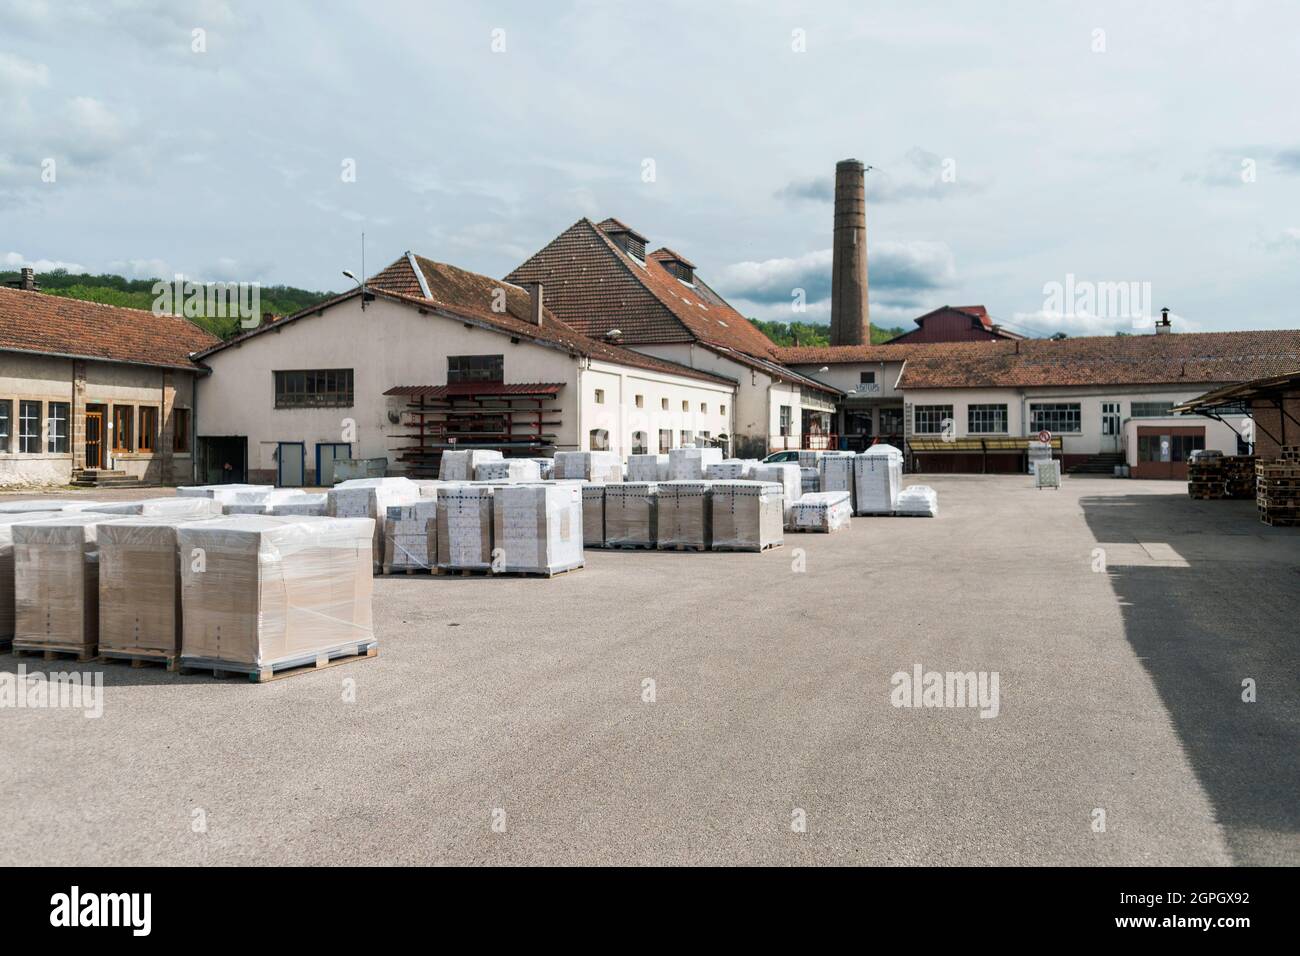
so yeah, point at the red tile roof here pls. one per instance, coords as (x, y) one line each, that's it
(844, 354)
(51, 324)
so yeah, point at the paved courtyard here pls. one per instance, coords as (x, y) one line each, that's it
(524, 702)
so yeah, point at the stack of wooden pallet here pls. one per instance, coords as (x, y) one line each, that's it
(1278, 488)
(1222, 476)
(1239, 476)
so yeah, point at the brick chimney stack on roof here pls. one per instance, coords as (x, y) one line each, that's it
(850, 319)
(535, 304)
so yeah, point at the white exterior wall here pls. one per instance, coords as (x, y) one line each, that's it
(1220, 436)
(708, 406)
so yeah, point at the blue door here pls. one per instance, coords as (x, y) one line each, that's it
(326, 454)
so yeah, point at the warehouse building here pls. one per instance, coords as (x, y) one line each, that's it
(93, 394)
(430, 357)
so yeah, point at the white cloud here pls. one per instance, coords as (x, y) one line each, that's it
(18, 75)
(141, 268)
(16, 260)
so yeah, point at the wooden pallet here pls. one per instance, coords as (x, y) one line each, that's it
(539, 574)
(50, 653)
(629, 546)
(354, 652)
(683, 547)
(171, 662)
(463, 572)
(771, 545)
(398, 572)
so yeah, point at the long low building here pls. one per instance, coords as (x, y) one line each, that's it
(431, 357)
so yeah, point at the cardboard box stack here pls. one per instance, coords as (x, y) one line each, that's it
(647, 467)
(26, 506)
(191, 508)
(275, 592)
(537, 529)
(877, 480)
(371, 498)
(810, 480)
(222, 493)
(460, 465)
(7, 522)
(747, 515)
(785, 474)
(257, 502)
(632, 514)
(808, 458)
(307, 503)
(691, 464)
(545, 468)
(56, 583)
(1278, 495)
(593, 515)
(604, 466)
(685, 516)
(835, 471)
(1038, 451)
(406, 536)
(508, 470)
(822, 511)
(464, 528)
(918, 501)
(729, 469)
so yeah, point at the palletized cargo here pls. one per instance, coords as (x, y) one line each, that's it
(729, 469)
(822, 511)
(460, 465)
(537, 529)
(545, 468)
(593, 515)
(632, 514)
(785, 474)
(406, 536)
(302, 504)
(26, 506)
(918, 501)
(273, 593)
(810, 480)
(464, 528)
(190, 507)
(746, 515)
(877, 480)
(222, 493)
(691, 464)
(604, 466)
(836, 472)
(508, 469)
(685, 516)
(647, 467)
(371, 498)
(56, 584)
(7, 522)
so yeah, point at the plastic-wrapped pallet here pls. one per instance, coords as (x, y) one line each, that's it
(222, 493)
(746, 515)
(407, 538)
(748, 466)
(1038, 451)
(508, 469)
(877, 479)
(460, 465)
(729, 469)
(593, 515)
(918, 500)
(808, 458)
(27, 507)
(307, 503)
(258, 502)
(537, 529)
(810, 480)
(1047, 474)
(275, 592)
(785, 474)
(685, 518)
(191, 507)
(692, 464)
(647, 467)
(822, 511)
(7, 522)
(836, 473)
(545, 468)
(56, 583)
(371, 498)
(140, 610)
(464, 527)
(632, 514)
(603, 466)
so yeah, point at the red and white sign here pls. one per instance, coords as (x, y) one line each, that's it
(1044, 436)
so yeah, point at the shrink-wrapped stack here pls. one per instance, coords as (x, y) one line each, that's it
(729, 469)
(371, 498)
(685, 515)
(647, 467)
(508, 470)
(692, 464)
(632, 514)
(275, 592)
(406, 536)
(746, 515)
(7, 522)
(464, 528)
(603, 466)
(822, 511)
(258, 502)
(808, 458)
(918, 500)
(140, 611)
(545, 468)
(26, 506)
(1038, 451)
(835, 471)
(810, 480)
(303, 503)
(460, 465)
(593, 515)
(537, 529)
(877, 480)
(222, 493)
(427, 487)
(178, 507)
(785, 474)
(56, 583)
(1047, 474)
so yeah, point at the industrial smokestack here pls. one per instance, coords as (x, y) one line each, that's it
(850, 320)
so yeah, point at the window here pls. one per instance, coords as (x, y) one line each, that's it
(640, 401)
(148, 428)
(1168, 447)
(986, 419)
(866, 378)
(688, 439)
(1057, 417)
(704, 408)
(929, 419)
(663, 403)
(639, 444)
(473, 368)
(180, 429)
(600, 396)
(29, 427)
(722, 409)
(6, 423)
(57, 428)
(686, 406)
(665, 439)
(1153, 409)
(321, 388)
(785, 419)
(599, 440)
(123, 428)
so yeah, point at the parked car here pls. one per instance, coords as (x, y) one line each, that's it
(780, 457)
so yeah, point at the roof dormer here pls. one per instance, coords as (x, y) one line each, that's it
(677, 265)
(625, 237)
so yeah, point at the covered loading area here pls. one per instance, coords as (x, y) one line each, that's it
(1273, 405)
(998, 455)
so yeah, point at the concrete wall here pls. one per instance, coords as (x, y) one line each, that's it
(80, 383)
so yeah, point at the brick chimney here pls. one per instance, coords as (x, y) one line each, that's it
(26, 280)
(535, 304)
(850, 321)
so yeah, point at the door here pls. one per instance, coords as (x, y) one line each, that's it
(1110, 426)
(1163, 451)
(291, 456)
(95, 439)
(326, 454)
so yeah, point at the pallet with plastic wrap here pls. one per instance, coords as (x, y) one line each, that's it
(407, 542)
(632, 514)
(685, 516)
(822, 511)
(56, 583)
(7, 523)
(537, 529)
(747, 515)
(464, 528)
(877, 480)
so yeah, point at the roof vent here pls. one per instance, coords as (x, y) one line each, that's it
(1164, 327)
(678, 265)
(625, 237)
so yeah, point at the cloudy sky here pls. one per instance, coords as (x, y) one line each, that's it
(1014, 145)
